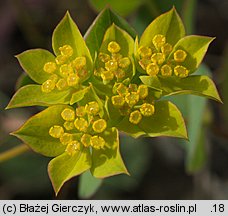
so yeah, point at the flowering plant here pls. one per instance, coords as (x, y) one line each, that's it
(108, 82)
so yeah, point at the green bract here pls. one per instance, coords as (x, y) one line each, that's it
(122, 87)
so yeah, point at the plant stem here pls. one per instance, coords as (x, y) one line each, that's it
(11, 153)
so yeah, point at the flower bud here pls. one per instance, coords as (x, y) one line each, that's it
(99, 125)
(135, 117)
(56, 131)
(113, 47)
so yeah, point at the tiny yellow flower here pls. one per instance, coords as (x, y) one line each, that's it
(66, 50)
(113, 47)
(133, 88)
(92, 108)
(158, 58)
(142, 91)
(61, 59)
(85, 139)
(181, 71)
(180, 55)
(97, 142)
(135, 117)
(79, 63)
(103, 57)
(99, 125)
(68, 114)
(107, 75)
(72, 80)
(66, 138)
(111, 65)
(166, 70)
(81, 124)
(56, 131)
(68, 125)
(65, 70)
(147, 109)
(61, 84)
(158, 41)
(152, 69)
(145, 52)
(166, 49)
(48, 86)
(73, 147)
(132, 98)
(124, 62)
(118, 100)
(50, 67)
(122, 89)
(80, 111)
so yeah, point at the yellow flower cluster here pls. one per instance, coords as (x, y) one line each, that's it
(84, 120)
(112, 65)
(65, 72)
(156, 59)
(132, 101)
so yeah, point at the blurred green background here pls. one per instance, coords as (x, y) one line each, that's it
(161, 168)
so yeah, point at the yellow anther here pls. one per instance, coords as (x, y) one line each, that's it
(73, 147)
(132, 98)
(181, 71)
(72, 80)
(158, 41)
(66, 138)
(68, 125)
(145, 52)
(56, 131)
(49, 67)
(99, 125)
(81, 124)
(116, 56)
(122, 89)
(135, 117)
(85, 139)
(48, 86)
(119, 73)
(180, 55)
(61, 59)
(158, 58)
(166, 70)
(125, 110)
(107, 75)
(103, 57)
(118, 100)
(142, 91)
(166, 48)
(66, 50)
(144, 62)
(124, 62)
(65, 70)
(79, 63)
(111, 65)
(147, 109)
(92, 108)
(97, 142)
(113, 47)
(133, 88)
(152, 69)
(68, 114)
(61, 84)
(80, 111)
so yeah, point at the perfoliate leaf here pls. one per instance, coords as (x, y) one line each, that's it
(65, 167)
(195, 47)
(88, 185)
(197, 85)
(166, 121)
(94, 35)
(31, 95)
(33, 61)
(35, 132)
(168, 24)
(67, 33)
(108, 162)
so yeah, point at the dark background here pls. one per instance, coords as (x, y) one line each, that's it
(157, 165)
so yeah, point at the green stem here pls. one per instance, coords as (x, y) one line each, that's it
(11, 153)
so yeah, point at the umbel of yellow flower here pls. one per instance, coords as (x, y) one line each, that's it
(112, 65)
(66, 72)
(132, 101)
(84, 120)
(155, 59)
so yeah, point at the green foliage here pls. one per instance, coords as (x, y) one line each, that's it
(91, 99)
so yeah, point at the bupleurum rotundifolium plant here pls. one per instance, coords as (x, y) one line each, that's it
(117, 84)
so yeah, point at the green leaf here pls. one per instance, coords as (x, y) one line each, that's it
(65, 167)
(67, 33)
(168, 24)
(94, 35)
(88, 185)
(35, 132)
(33, 61)
(166, 121)
(195, 47)
(197, 85)
(78, 95)
(23, 80)
(31, 95)
(108, 162)
(122, 7)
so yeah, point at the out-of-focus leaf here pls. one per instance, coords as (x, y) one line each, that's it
(31, 95)
(88, 185)
(23, 80)
(33, 61)
(94, 35)
(122, 7)
(65, 167)
(196, 85)
(35, 132)
(108, 162)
